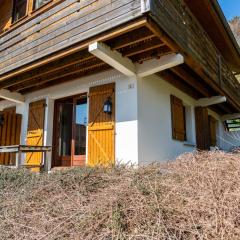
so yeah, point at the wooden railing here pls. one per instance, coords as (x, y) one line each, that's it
(175, 18)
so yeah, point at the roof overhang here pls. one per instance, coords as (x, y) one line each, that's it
(211, 17)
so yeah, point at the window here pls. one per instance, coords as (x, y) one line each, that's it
(233, 125)
(178, 119)
(38, 3)
(19, 9)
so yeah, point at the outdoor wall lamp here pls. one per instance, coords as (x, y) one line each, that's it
(107, 108)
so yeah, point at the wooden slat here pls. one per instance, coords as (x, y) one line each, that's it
(117, 12)
(10, 134)
(199, 53)
(213, 131)
(178, 119)
(35, 132)
(101, 127)
(202, 128)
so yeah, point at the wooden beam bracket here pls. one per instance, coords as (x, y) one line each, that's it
(205, 102)
(157, 65)
(113, 58)
(127, 67)
(11, 96)
(145, 6)
(230, 117)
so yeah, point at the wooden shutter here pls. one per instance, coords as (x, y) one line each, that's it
(213, 131)
(101, 127)
(178, 119)
(35, 131)
(10, 134)
(202, 128)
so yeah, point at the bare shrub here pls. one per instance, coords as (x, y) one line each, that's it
(195, 197)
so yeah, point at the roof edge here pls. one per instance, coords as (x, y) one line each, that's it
(226, 25)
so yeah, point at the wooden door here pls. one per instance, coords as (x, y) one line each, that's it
(10, 130)
(35, 132)
(101, 127)
(62, 135)
(202, 128)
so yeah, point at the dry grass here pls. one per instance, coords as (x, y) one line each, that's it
(196, 197)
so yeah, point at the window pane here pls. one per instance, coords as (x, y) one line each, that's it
(20, 8)
(80, 126)
(65, 135)
(233, 125)
(38, 3)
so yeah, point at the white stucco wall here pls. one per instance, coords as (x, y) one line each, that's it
(155, 124)
(225, 140)
(126, 142)
(143, 117)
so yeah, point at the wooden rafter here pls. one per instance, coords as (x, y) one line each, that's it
(176, 81)
(141, 47)
(65, 74)
(113, 33)
(180, 72)
(11, 96)
(139, 36)
(61, 79)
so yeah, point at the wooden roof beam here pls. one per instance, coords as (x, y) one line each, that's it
(205, 102)
(157, 65)
(230, 117)
(113, 58)
(11, 96)
(127, 67)
(180, 72)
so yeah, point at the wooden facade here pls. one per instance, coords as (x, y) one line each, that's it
(35, 131)
(101, 127)
(10, 130)
(50, 45)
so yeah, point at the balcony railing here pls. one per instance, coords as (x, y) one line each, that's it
(178, 22)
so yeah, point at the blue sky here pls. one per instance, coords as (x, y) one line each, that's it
(231, 8)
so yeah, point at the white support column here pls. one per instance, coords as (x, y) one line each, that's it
(48, 131)
(145, 6)
(205, 102)
(11, 96)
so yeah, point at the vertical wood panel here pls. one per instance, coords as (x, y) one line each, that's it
(10, 134)
(202, 128)
(35, 132)
(101, 127)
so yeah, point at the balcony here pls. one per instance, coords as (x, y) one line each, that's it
(174, 17)
(53, 42)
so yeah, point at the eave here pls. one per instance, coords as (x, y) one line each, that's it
(211, 17)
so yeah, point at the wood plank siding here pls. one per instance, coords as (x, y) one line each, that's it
(66, 24)
(51, 46)
(177, 21)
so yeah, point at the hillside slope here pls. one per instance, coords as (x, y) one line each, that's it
(195, 197)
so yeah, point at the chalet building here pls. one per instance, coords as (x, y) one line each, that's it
(89, 82)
